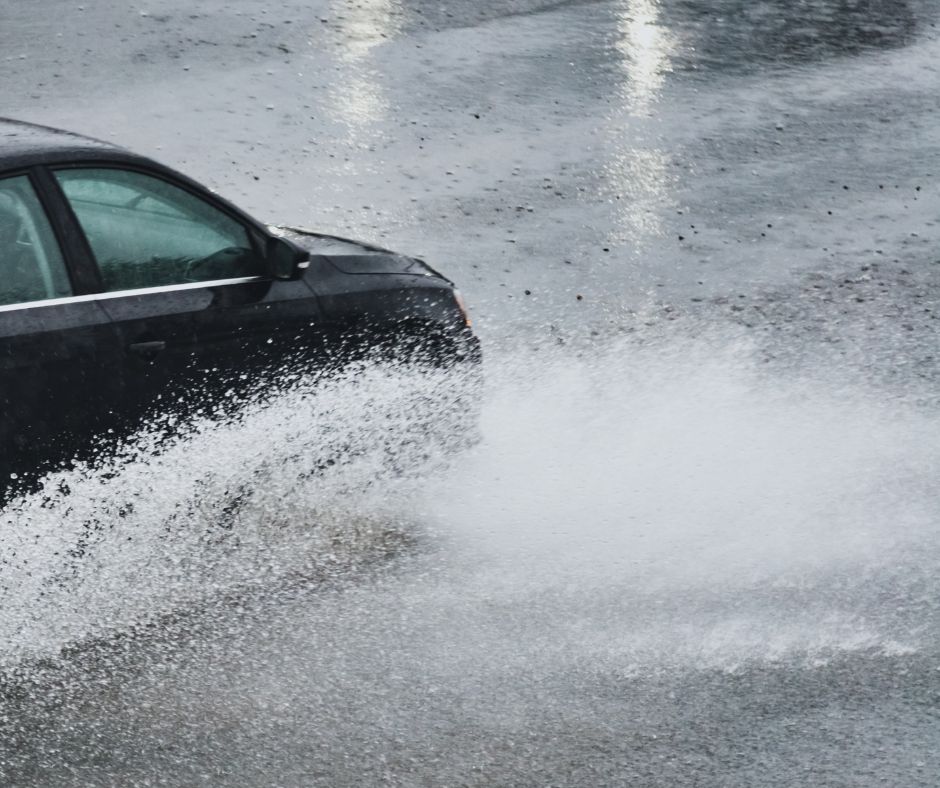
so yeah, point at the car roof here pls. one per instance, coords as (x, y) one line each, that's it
(25, 144)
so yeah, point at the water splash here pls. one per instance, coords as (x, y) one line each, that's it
(648, 534)
(293, 481)
(651, 502)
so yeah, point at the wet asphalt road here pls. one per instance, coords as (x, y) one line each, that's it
(698, 543)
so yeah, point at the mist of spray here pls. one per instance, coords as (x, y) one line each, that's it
(681, 500)
(649, 501)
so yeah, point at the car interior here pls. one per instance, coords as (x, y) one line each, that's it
(31, 267)
(145, 232)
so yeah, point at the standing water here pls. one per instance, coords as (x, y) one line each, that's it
(645, 533)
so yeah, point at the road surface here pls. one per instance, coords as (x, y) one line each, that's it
(698, 543)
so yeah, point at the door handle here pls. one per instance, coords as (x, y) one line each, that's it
(147, 348)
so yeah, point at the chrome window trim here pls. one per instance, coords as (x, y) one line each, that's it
(79, 299)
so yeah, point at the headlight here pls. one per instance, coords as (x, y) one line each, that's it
(462, 306)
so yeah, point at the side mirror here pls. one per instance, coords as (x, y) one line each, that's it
(286, 260)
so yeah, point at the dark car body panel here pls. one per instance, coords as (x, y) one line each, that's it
(59, 381)
(96, 364)
(356, 282)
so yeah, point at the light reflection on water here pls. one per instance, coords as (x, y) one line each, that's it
(645, 47)
(640, 183)
(357, 99)
(638, 180)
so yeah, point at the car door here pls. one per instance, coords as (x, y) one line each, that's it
(58, 386)
(185, 287)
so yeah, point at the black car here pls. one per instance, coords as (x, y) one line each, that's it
(125, 285)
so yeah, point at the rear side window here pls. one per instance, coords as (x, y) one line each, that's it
(146, 232)
(31, 265)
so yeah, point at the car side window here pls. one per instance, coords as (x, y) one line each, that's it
(31, 264)
(146, 232)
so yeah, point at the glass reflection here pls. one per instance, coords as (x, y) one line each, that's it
(645, 47)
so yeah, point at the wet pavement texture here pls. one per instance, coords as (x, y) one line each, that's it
(698, 542)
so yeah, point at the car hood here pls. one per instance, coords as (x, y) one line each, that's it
(356, 257)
